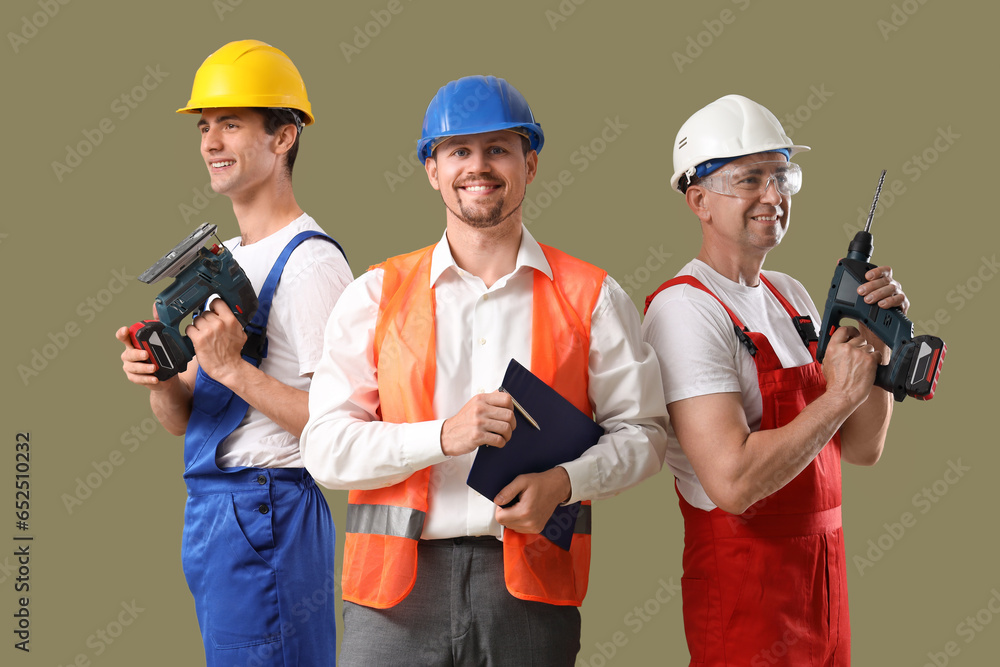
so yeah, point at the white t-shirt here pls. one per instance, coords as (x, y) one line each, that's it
(699, 352)
(311, 283)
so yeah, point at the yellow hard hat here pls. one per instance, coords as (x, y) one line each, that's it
(248, 73)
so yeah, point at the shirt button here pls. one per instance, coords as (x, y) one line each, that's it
(480, 391)
(263, 509)
(261, 479)
(486, 297)
(482, 341)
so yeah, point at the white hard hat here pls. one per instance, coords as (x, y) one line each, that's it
(730, 127)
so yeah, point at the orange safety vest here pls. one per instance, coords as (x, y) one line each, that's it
(384, 525)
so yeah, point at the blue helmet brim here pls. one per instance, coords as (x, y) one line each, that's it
(425, 147)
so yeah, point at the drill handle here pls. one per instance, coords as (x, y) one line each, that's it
(914, 369)
(168, 351)
(843, 302)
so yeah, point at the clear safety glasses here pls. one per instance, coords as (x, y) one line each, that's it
(752, 180)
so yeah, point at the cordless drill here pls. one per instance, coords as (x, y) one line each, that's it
(198, 272)
(915, 363)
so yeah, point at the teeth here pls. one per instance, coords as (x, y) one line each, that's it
(225, 163)
(478, 188)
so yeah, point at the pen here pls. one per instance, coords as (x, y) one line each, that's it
(520, 409)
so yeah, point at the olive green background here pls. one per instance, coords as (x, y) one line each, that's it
(864, 97)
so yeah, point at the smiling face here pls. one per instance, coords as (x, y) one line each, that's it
(482, 178)
(751, 225)
(240, 155)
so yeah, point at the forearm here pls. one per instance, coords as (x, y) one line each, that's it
(738, 467)
(171, 405)
(849, 368)
(353, 451)
(773, 458)
(862, 436)
(286, 406)
(620, 460)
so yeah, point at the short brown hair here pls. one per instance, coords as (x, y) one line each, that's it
(274, 120)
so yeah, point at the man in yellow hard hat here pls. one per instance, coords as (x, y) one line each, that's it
(258, 548)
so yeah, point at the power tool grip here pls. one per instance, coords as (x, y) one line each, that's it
(914, 369)
(168, 355)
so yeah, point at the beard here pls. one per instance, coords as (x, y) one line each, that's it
(482, 217)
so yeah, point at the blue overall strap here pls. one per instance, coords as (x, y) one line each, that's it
(256, 345)
(215, 410)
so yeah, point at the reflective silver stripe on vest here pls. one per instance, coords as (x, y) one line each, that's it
(583, 520)
(385, 520)
(406, 522)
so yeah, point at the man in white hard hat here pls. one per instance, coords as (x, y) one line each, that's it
(258, 535)
(758, 428)
(406, 393)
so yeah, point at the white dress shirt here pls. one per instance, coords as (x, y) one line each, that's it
(478, 331)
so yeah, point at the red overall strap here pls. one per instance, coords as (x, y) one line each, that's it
(774, 575)
(755, 343)
(803, 323)
(786, 304)
(693, 282)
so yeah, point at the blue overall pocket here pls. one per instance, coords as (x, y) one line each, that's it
(227, 544)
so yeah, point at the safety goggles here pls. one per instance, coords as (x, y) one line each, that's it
(750, 181)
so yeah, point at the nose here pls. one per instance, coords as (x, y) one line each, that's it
(479, 162)
(211, 139)
(771, 194)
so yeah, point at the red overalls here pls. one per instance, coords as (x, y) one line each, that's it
(769, 586)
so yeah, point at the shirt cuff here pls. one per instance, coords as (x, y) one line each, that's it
(423, 444)
(583, 474)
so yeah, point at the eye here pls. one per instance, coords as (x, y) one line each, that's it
(460, 152)
(497, 150)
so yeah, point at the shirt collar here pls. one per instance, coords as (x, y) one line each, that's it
(528, 255)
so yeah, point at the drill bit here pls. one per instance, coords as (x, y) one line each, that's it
(871, 214)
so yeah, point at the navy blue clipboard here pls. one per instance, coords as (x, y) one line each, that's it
(564, 434)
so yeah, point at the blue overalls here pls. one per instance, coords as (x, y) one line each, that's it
(258, 546)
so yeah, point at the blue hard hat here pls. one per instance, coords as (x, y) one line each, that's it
(474, 105)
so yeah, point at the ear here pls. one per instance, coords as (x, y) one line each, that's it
(284, 139)
(697, 201)
(430, 166)
(531, 162)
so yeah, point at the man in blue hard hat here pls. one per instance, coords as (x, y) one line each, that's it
(435, 573)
